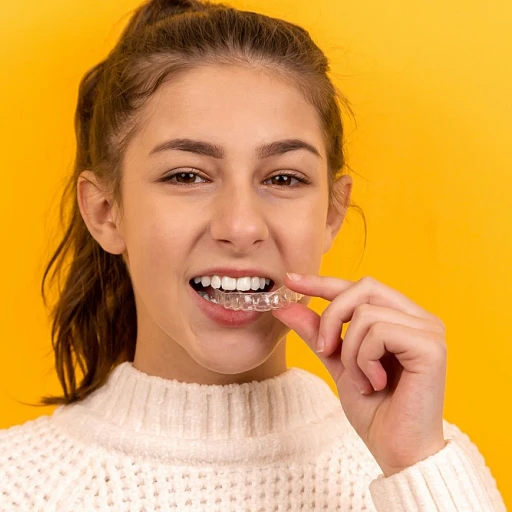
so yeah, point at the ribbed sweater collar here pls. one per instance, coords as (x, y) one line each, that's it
(169, 420)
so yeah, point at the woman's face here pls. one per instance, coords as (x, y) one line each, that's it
(237, 211)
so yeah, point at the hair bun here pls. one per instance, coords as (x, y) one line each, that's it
(172, 7)
(154, 11)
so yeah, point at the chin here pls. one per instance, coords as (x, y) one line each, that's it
(234, 358)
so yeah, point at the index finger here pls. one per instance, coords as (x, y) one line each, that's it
(369, 290)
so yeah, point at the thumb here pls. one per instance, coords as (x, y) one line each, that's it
(303, 320)
(306, 323)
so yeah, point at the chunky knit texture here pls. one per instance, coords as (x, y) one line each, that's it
(143, 443)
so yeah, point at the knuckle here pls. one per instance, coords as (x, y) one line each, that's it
(438, 324)
(367, 280)
(377, 329)
(362, 311)
(438, 352)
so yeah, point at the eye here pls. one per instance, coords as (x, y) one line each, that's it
(182, 178)
(280, 180)
(286, 179)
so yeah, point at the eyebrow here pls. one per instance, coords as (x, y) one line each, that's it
(279, 147)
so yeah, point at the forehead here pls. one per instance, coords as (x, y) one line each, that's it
(231, 104)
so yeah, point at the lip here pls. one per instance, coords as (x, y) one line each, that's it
(223, 316)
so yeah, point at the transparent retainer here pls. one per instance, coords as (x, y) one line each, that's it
(259, 301)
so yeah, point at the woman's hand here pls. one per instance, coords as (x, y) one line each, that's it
(393, 350)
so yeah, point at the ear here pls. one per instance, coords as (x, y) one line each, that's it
(342, 189)
(98, 213)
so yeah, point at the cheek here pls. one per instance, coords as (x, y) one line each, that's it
(157, 239)
(302, 238)
(158, 251)
(163, 245)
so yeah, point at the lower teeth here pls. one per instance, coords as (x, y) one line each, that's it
(211, 299)
(207, 297)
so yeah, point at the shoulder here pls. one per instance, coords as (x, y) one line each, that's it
(24, 444)
(37, 459)
(15, 440)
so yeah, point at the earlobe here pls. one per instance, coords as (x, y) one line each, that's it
(97, 212)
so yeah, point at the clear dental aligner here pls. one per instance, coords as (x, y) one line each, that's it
(260, 301)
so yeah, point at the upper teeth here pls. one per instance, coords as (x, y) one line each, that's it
(230, 283)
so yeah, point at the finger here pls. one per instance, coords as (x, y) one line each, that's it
(303, 320)
(367, 289)
(306, 323)
(365, 315)
(320, 286)
(416, 350)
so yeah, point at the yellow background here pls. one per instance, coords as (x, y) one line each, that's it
(430, 84)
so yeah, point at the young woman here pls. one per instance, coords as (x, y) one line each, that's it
(210, 155)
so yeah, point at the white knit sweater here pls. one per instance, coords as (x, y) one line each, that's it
(143, 443)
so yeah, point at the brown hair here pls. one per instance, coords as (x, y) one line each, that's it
(94, 317)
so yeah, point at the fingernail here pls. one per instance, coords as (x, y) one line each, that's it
(361, 388)
(294, 277)
(320, 344)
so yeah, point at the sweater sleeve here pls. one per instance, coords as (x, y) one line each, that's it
(455, 479)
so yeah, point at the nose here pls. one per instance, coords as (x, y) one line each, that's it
(238, 221)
